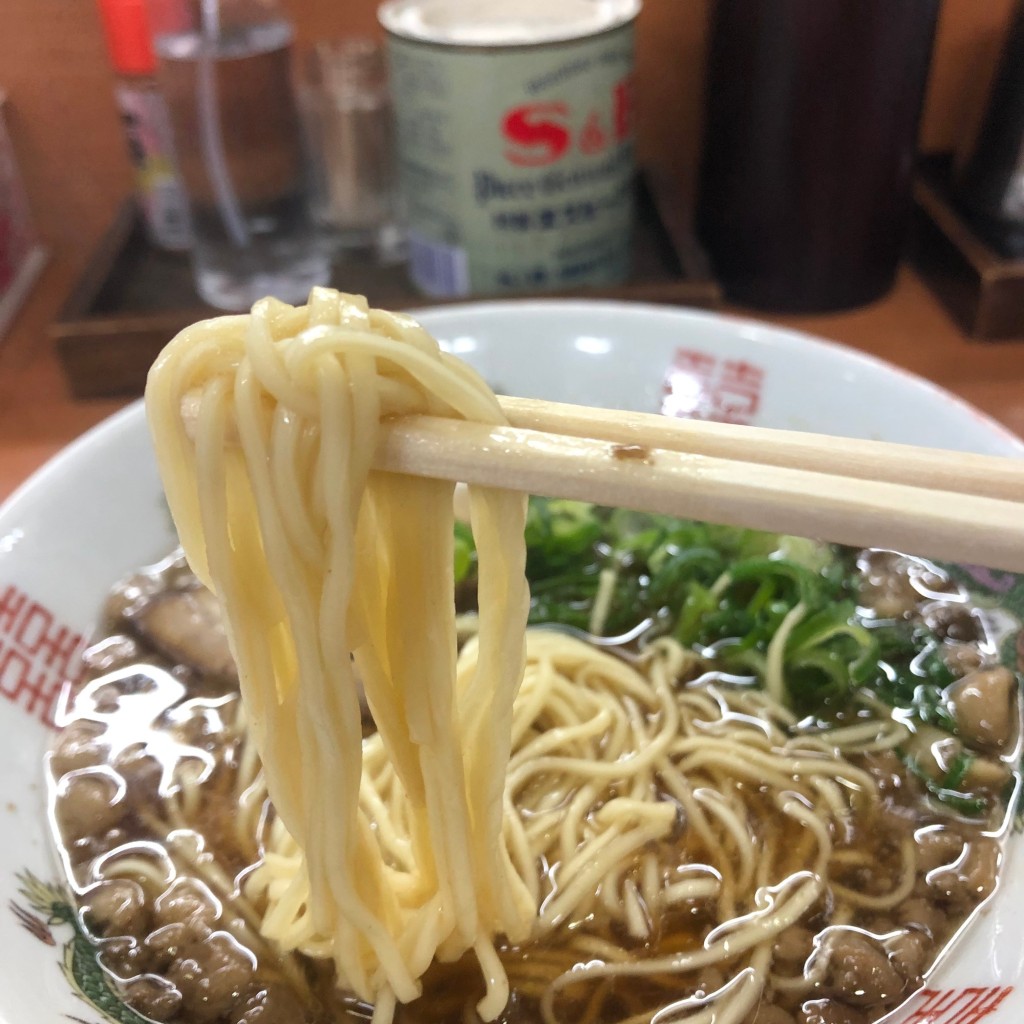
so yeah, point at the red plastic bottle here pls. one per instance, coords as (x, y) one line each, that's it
(159, 190)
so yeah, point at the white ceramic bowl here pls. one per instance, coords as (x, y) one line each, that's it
(95, 512)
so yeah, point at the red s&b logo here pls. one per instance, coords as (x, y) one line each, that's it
(538, 134)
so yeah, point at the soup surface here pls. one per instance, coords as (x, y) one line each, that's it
(800, 650)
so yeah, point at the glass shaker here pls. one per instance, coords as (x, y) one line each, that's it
(349, 123)
(224, 67)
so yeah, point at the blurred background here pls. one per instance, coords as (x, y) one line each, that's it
(792, 207)
(55, 67)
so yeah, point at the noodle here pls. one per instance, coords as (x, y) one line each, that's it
(512, 788)
(595, 837)
(317, 558)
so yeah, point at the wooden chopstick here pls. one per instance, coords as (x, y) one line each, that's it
(992, 476)
(940, 522)
(952, 506)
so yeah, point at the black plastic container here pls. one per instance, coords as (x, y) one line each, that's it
(810, 135)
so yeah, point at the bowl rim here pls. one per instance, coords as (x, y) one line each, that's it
(793, 336)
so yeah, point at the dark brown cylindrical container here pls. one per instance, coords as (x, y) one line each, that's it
(811, 125)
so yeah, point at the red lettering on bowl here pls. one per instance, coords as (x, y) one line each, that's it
(701, 386)
(37, 654)
(958, 1005)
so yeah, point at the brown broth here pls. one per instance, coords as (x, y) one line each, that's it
(175, 939)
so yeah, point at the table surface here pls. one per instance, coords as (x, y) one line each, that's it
(908, 327)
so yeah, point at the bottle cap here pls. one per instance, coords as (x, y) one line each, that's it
(126, 24)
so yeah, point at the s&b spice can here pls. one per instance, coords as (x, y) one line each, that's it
(515, 141)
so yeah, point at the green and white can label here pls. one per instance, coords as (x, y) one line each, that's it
(516, 156)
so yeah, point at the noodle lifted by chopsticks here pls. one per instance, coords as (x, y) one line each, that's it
(316, 557)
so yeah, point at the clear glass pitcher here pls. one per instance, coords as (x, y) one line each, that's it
(225, 70)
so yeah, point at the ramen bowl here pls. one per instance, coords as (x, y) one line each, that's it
(96, 512)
